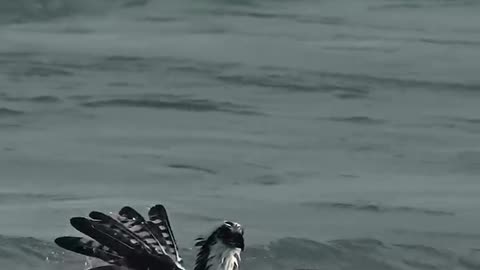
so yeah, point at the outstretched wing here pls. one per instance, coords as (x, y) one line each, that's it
(118, 243)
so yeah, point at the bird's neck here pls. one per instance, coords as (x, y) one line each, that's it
(222, 257)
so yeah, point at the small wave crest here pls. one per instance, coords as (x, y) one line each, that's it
(174, 103)
(376, 207)
(20, 197)
(42, 99)
(9, 112)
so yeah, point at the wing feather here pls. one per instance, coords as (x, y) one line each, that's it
(135, 222)
(89, 248)
(160, 226)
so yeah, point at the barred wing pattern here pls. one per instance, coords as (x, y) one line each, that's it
(126, 239)
(90, 248)
(161, 225)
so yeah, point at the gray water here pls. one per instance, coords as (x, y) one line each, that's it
(341, 134)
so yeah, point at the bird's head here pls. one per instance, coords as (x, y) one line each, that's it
(221, 249)
(231, 235)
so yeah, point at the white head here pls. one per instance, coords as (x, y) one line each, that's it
(221, 250)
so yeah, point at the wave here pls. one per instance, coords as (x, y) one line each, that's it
(192, 168)
(25, 66)
(18, 197)
(39, 71)
(341, 85)
(439, 235)
(361, 120)
(376, 208)
(5, 112)
(296, 83)
(466, 120)
(38, 10)
(173, 102)
(406, 5)
(34, 99)
(44, 71)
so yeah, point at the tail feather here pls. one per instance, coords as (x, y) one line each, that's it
(161, 227)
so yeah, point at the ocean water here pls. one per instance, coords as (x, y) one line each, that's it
(341, 134)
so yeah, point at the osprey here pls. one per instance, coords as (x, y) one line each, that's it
(128, 241)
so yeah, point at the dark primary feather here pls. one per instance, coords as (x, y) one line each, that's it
(105, 235)
(160, 226)
(89, 248)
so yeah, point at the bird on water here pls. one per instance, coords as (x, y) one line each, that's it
(128, 241)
